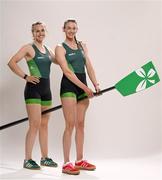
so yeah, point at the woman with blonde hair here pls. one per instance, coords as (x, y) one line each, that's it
(37, 93)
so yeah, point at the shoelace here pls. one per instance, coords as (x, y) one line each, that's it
(33, 162)
(50, 161)
(70, 165)
(83, 161)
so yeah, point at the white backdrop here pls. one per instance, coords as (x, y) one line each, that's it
(121, 36)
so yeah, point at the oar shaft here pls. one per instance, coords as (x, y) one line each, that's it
(13, 123)
(49, 110)
(25, 119)
(52, 109)
(105, 90)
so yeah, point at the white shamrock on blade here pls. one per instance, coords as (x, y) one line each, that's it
(142, 85)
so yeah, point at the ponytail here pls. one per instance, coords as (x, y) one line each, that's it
(79, 45)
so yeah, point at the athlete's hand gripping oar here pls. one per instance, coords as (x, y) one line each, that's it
(138, 80)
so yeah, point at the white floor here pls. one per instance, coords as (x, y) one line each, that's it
(148, 168)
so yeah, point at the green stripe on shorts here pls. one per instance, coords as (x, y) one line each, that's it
(46, 103)
(68, 94)
(82, 96)
(33, 101)
(38, 101)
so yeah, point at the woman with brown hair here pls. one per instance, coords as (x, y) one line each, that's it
(72, 56)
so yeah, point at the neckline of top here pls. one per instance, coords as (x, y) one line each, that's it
(44, 53)
(70, 47)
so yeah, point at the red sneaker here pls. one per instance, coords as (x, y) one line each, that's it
(70, 169)
(84, 165)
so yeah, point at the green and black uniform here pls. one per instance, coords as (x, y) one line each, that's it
(39, 66)
(76, 62)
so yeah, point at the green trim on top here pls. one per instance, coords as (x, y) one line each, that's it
(33, 68)
(46, 103)
(82, 96)
(33, 101)
(68, 94)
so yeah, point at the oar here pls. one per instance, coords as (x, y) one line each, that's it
(138, 80)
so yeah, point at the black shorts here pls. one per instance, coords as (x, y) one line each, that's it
(69, 89)
(39, 93)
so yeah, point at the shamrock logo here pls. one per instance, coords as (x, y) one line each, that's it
(146, 78)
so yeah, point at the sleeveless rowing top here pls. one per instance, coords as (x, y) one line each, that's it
(75, 59)
(40, 65)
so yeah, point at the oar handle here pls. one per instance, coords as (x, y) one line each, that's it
(25, 119)
(13, 123)
(50, 110)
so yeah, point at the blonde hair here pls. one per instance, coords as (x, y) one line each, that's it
(35, 24)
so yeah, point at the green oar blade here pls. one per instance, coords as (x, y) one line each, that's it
(138, 80)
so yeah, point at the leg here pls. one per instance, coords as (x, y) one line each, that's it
(69, 110)
(34, 114)
(79, 138)
(81, 110)
(43, 132)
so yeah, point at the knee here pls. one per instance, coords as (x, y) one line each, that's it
(70, 126)
(44, 124)
(80, 125)
(35, 125)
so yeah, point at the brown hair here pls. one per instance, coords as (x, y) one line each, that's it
(69, 20)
